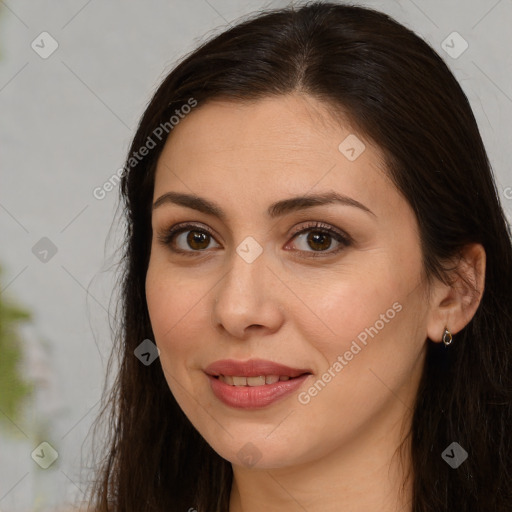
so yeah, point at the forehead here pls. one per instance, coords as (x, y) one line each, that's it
(287, 124)
(268, 149)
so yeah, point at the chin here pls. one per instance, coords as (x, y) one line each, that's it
(257, 452)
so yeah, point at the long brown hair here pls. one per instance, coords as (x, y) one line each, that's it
(400, 94)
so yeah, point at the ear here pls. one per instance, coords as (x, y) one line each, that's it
(452, 306)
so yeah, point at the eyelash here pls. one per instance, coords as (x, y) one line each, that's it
(167, 236)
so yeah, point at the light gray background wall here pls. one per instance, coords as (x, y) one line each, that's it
(66, 123)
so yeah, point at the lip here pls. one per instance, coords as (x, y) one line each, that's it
(253, 397)
(252, 368)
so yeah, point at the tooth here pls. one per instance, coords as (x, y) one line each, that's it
(256, 381)
(239, 381)
(252, 381)
(227, 379)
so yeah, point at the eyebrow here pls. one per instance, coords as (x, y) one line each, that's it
(277, 209)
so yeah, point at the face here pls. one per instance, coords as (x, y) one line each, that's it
(333, 289)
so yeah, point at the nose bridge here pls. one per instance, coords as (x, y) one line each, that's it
(243, 297)
(247, 267)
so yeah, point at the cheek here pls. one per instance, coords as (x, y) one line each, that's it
(179, 322)
(370, 351)
(369, 338)
(352, 306)
(173, 306)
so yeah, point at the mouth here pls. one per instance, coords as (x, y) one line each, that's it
(254, 384)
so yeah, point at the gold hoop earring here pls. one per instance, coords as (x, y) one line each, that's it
(447, 337)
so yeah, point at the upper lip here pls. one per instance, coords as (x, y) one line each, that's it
(252, 368)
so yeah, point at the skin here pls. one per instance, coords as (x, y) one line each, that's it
(335, 452)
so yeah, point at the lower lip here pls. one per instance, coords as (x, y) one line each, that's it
(254, 397)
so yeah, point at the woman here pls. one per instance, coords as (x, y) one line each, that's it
(317, 297)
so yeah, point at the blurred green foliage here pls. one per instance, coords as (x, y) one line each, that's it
(13, 388)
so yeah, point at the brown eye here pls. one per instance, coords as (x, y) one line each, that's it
(319, 240)
(197, 240)
(186, 239)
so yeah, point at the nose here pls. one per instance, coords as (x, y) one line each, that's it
(247, 299)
